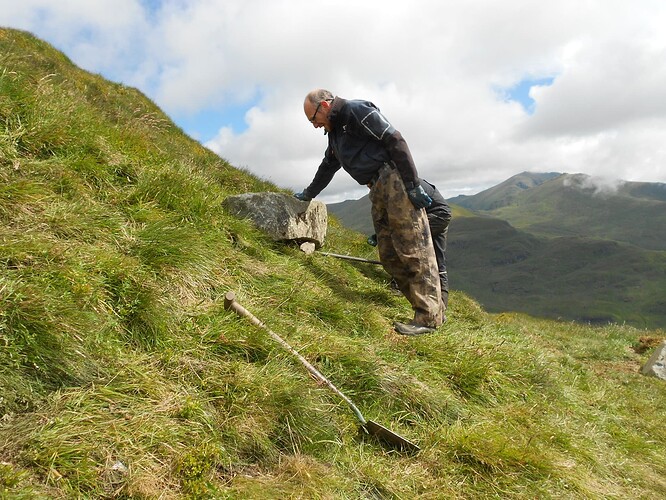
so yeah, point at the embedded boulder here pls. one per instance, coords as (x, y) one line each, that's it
(283, 217)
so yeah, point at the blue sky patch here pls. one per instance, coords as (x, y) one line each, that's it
(520, 92)
(205, 125)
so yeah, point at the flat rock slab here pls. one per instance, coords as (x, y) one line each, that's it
(282, 216)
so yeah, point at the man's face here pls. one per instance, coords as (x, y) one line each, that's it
(317, 114)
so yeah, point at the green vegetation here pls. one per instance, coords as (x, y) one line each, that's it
(575, 250)
(122, 376)
(583, 279)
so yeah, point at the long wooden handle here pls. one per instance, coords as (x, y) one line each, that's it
(230, 303)
(350, 257)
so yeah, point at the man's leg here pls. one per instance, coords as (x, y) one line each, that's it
(439, 228)
(405, 247)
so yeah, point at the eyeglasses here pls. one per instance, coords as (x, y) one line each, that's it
(317, 110)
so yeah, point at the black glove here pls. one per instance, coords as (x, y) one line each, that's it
(372, 240)
(302, 196)
(419, 197)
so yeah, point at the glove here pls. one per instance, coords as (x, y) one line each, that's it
(372, 240)
(302, 196)
(419, 197)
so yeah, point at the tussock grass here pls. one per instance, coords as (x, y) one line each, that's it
(123, 376)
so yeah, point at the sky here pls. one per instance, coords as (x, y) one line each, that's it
(480, 89)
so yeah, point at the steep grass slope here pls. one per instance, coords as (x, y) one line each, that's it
(122, 376)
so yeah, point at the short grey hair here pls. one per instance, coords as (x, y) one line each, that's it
(316, 96)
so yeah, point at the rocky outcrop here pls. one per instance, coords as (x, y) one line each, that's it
(282, 216)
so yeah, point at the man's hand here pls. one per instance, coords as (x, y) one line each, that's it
(302, 196)
(419, 197)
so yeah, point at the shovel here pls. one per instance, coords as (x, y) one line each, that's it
(385, 435)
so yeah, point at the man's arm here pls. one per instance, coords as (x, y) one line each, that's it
(378, 127)
(402, 157)
(375, 125)
(327, 169)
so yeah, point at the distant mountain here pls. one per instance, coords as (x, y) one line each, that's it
(505, 193)
(556, 245)
(354, 214)
(578, 205)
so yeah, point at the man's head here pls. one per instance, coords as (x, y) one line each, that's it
(317, 106)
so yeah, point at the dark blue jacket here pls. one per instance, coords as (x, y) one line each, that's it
(361, 141)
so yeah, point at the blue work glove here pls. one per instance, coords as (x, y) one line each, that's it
(302, 196)
(419, 197)
(372, 240)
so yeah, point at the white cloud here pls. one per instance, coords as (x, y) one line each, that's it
(600, 186)
(431, 66)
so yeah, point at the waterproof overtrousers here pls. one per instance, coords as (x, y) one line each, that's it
(405, 246)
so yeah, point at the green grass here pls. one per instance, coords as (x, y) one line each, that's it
(123, 376)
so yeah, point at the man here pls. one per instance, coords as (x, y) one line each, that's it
(439, 216)
(363, 142)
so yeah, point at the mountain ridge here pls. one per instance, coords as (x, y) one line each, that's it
(580, 205)
(503, 194)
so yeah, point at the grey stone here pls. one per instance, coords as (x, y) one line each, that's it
(656, 365)
(308, 247)
(282, 216)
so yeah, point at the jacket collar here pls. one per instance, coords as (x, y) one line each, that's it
(336, 107)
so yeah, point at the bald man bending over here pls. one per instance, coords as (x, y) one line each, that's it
(363, 142)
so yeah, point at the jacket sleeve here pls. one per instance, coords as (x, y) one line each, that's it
(375, 125)
(402, 157)
(327, 169)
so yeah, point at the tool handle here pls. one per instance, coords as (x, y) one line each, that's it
(350, 257)
(230, 303)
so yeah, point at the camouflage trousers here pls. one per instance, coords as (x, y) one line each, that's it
(405, 246)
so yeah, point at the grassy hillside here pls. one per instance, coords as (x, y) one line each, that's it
(574, 278)
(122, 376)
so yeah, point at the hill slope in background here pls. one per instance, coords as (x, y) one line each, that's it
(504, 193)
(122, 376)
(355, 214)
(573, 250)
(578, 205)
(575, 278)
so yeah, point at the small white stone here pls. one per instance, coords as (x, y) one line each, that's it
(120, 467)
(308, 247)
